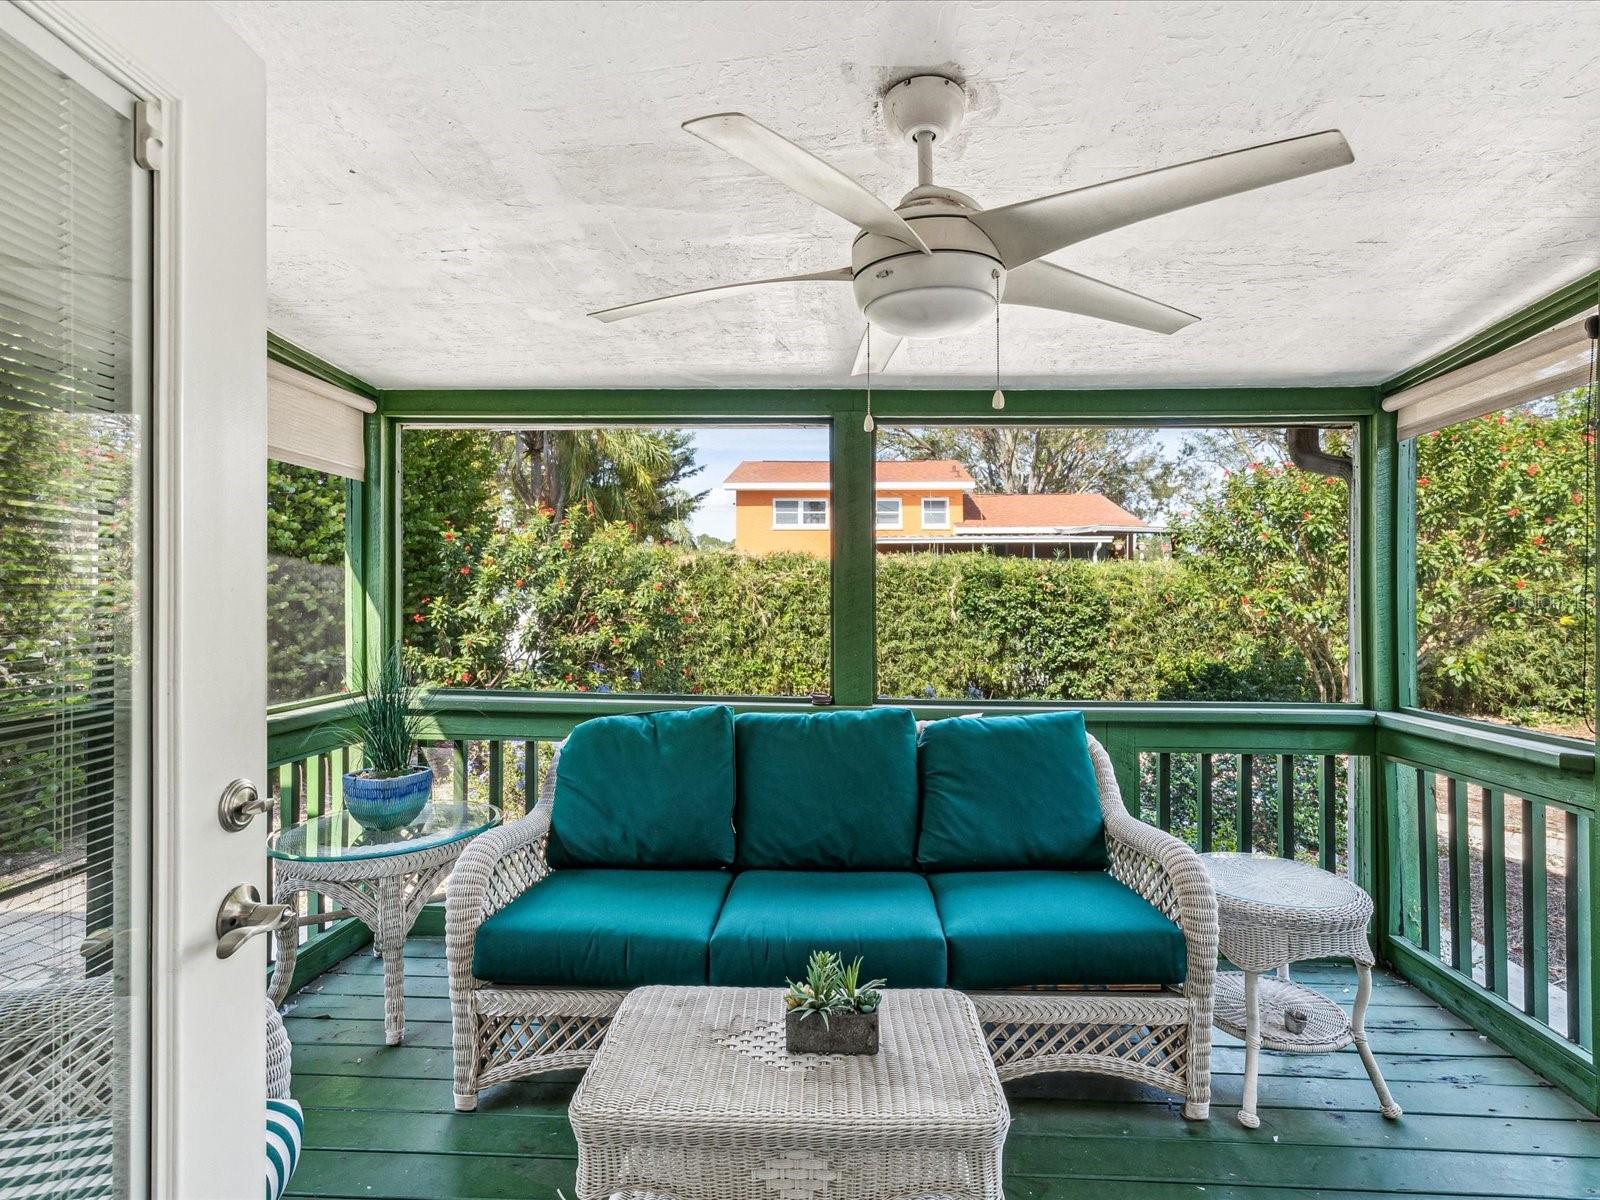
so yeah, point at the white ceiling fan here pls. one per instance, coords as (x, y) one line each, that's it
(934, 265)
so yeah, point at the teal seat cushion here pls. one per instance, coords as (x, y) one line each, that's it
(1009, 792)
(773, 920)
(1009, 929)
(595, 928)
(827, 790)
(646, 790)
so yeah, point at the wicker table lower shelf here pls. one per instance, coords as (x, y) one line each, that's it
(1327, 1029)
(692, 1095)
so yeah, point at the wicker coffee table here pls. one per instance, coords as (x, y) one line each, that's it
(1272, 912)
(693, 1095)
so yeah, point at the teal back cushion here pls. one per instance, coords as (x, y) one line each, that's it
(1009, 792)
(827, 791)
(646, 790)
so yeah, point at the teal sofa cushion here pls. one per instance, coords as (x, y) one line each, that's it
(604, 929)
(1009, 792)
(646, 790)
(827, 790)
(1009, 929)
(773, 920)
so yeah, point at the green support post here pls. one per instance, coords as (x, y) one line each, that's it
(854, 560)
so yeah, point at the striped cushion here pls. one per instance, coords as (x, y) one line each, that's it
(286, 1127)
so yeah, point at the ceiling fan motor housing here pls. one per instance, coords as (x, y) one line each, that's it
(918, 295)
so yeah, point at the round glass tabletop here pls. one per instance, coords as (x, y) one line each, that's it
(338, 836)
(1267, 879)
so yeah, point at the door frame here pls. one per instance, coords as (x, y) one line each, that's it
(206, 462)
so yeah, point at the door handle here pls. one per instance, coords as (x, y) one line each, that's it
(242, 916)
(240, 804)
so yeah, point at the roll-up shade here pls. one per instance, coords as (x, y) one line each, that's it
(1550, 362)
(314, 424)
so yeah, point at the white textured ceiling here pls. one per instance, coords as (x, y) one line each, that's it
(453, 185)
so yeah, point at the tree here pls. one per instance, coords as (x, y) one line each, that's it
(633, 475)
(1124, 464)
(306, 515)
(1274, 545)
(1503, 543)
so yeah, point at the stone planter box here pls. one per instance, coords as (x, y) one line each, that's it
(844, 1033)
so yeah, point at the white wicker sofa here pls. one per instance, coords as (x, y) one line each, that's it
(1155, 1035)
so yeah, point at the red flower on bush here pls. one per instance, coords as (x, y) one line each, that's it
(1423, 481)
(1538, 539)
(1533, 468)
(416, 618)
(1521, 583)
(522, 582)
(466, 677)
(1513, 511)
(449, 535)
(466, 570)
(1577, 497)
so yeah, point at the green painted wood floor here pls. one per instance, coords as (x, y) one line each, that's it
(379, 1122)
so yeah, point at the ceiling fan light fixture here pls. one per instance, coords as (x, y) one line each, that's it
(929, 312)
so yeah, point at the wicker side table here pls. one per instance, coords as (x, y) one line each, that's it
(693, 1095)
(381, 877)
(1272, 912)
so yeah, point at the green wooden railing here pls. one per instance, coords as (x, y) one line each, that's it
(308, 755)
(1490, 840)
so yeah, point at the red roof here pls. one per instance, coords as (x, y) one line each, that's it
(1060, 510)
(932, 471)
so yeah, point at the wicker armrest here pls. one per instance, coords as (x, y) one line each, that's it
(1162, 869)
(492, 872)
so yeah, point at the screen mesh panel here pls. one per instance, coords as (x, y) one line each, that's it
(71, 516)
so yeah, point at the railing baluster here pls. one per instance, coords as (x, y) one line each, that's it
(1494, 890)
(458, 773)
(1428, 861)
(1206, 814)
(1327, 798)
(1245, 835)
(1459, 848)
(1164, 792)
(1285, 806)
(1576, 853)
(1535, 914)
(298, 789)
(497, 781)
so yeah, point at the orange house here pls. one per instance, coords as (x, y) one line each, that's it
(786, 505)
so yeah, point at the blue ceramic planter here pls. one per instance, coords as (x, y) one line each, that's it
(387, 803)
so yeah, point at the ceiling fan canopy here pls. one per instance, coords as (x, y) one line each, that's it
(939, 263)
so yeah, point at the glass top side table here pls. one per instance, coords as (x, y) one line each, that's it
(1272, 912)
(382, 878)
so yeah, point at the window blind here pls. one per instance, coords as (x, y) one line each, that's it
(72, 700)
(1543, 365)
(315, 424)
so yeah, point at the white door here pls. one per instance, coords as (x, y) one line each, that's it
(132, 609)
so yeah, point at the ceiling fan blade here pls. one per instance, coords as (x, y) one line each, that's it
(885, 346)
(772, 154)
(1045, 285)
(1033, 228)
(700, 295)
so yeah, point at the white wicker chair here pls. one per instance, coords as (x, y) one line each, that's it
(1159, 1038)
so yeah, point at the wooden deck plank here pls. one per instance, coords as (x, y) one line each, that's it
(380, 1122)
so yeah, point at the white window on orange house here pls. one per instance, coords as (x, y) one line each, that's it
(797, 514)
(935, 512)
(889, 512)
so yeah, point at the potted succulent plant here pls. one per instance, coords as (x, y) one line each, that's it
(391, 789)
(831, 1011)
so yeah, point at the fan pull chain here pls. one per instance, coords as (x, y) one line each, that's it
(868, 425)
(998, 401)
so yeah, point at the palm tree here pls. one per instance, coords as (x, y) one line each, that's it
(627, 474)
